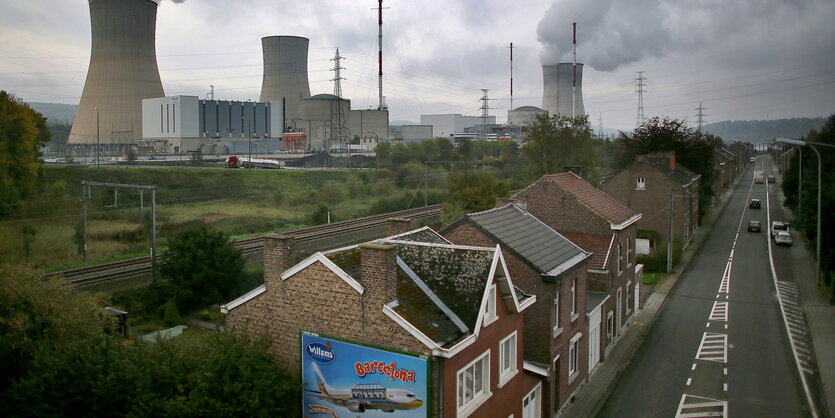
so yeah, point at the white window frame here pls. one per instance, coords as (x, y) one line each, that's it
(574, 357)
(507, 366)
(573, 297)
(629, 248)
(628, 299)
(466, 407)
(536, 408)
(620, 258)
(610, 326)
(490, 315)
(556, 311)
(641, 183)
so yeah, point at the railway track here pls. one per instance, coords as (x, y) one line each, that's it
(141, 266)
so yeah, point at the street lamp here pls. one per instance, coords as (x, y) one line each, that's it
(820, 170)
(98, 146)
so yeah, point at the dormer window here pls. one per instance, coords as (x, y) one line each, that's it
(490, 309)
(641, 183)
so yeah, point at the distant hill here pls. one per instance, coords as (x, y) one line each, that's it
(55, 112)
(757, 131)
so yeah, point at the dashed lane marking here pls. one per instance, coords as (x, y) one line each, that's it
(698, 406)
(714, 347)
(719, 312)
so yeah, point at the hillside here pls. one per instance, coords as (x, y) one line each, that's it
(55, 112)
(757, 131)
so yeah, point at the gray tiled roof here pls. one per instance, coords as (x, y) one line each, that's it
(529, 238)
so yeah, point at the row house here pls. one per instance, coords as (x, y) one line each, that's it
(600, 225)
(655, 185)
(726, 167)
(409, 324)
(545, 264)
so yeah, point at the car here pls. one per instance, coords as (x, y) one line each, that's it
(783, 238)
(753, 160)
(759, 179)
(754, 204)
(777, 227)
(771, 178)
(754, 226)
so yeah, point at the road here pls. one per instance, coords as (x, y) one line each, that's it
(720, 346)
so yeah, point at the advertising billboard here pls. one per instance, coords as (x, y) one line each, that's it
(340, 378)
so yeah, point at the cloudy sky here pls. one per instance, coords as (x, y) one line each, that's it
(742, 59)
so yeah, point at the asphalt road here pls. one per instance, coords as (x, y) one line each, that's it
(719, 346)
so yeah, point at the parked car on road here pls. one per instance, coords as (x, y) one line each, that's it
(759, 179)
(771, 178)
(783, 238)
(753, 160)
(754, 204)
(777, 227)
(754, 226)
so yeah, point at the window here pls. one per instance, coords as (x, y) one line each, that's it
(628, 251)
(507, 358)
(628, 299)
(473, 386)
(620, 259)
(641, 184)
(573, 297)
(610, 326)
(490, 309)
(573, 356)
(532, 403)
(556, 312)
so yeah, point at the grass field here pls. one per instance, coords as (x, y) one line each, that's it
(240, 203)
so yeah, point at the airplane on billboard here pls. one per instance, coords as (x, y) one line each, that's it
(363, 397)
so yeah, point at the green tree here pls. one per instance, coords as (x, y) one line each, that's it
(22, 132)
(38, 313)
(693, 149)
(554, 142)
(202, 266)
(471, 192)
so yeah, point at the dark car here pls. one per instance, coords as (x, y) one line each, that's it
(754, 226)
(771, 178)
(754, 204)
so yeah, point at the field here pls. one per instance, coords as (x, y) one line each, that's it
(240, 203)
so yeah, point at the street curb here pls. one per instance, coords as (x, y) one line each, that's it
(663, 290)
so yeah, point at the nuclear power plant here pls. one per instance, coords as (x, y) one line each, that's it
(285, 72)
(123, 71)
(557, 95)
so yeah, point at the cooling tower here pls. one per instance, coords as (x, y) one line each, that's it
(556, 95)
(285, 72)
(123, 71)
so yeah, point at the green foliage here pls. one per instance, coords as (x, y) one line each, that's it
(131, 155)
(221, 374)
(22, 132)
(693, 149)
(319, 215)
(471, 192)
(37, 313)
(553, 143)
(27, 232)
(202, 266)
(172, 314)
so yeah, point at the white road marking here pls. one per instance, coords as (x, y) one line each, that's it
(689, 380)
(719, 312)
(698, 406)
(693, 367)
(725, 387)
(714, 347)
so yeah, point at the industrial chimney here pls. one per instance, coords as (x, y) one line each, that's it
(556, 97)
(285, 72)
(123, 71)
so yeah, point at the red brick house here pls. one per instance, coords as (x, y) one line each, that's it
(545, 264)
(455, 306)
(649, 185)
(598, 224)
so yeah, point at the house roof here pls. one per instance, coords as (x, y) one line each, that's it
(600, 245)
(596, 200)
(425, 234)
(594, 300)
(680, 175)
(530, 239)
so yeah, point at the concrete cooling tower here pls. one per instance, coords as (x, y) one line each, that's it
(123, 71)
(556, 95)
(285, 72)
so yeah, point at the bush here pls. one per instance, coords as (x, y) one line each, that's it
(172, 314)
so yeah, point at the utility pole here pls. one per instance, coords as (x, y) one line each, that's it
(700, 121)
(511, 79)
(426, 183)
(84, 191)
(640, 83)
(98, 145)
(484, 111)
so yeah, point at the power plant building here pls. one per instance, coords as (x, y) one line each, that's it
(123, 71)
(329, 122)
(188, 123)
(558, 97)
(452, 123)
(524, 115)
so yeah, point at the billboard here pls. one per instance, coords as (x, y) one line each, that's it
(340, 378)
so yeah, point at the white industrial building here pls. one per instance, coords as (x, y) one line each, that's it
(447, 124)
(524, 115)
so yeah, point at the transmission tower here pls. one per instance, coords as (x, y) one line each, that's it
(484, 109)
(640, 83)
(701, 116)
(337, 116)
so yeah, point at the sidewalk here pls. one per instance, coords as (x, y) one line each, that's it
(593, 394)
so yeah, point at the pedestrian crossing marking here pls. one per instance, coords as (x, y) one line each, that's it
(795, 322)
(719, 312)
(714, 347)
(698, 406)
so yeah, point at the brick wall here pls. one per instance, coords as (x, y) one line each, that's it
(561, 210)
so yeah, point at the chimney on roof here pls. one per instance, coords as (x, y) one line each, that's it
(379, 273)
(398, 225)
(278, 255)
(504, 201)
(672, 161)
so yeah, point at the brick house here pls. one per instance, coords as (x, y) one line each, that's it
(649, 185)
(599, 224)
(725, 168)
(545, 264)
(453, 305)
